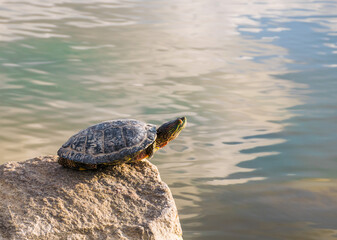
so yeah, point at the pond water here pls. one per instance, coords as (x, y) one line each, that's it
(257, 81)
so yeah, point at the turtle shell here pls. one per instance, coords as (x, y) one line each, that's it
(109, 141)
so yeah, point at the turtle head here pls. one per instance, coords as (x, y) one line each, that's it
(169, 131)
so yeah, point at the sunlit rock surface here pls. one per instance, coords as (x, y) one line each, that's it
(42, 200)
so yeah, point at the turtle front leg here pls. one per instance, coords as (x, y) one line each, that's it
(151, 150)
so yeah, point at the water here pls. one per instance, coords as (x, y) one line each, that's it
(256, 80)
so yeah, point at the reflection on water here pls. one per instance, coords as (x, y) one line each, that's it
(256, 81)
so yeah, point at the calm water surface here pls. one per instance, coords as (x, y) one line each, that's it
(257, 81)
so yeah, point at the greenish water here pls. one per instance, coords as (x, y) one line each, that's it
(257, 81)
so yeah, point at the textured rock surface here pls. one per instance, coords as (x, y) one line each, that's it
(42, 200)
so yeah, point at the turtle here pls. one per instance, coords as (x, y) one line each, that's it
(116, 142)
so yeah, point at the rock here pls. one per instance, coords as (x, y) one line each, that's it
(42, 200)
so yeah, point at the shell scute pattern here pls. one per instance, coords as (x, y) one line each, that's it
(78, 143)
(133, 135)
(112, 139)
(153, 133)
(108, 141)
(94, 144)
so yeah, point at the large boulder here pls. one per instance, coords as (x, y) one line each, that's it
(39, 199)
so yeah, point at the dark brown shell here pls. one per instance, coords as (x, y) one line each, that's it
(109, 141)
